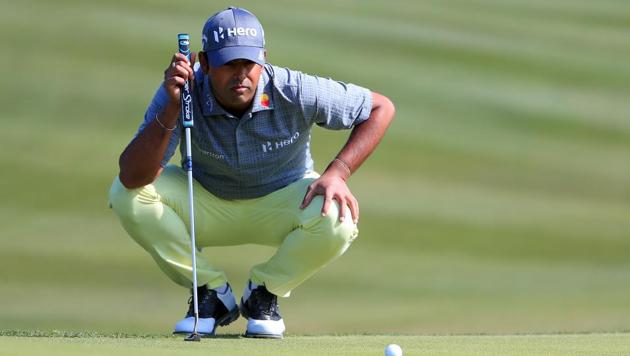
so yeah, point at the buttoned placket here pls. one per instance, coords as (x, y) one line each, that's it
(237, 135)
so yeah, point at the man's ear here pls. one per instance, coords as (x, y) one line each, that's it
(203, 61)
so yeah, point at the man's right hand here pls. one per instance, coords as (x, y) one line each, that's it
(178, 72)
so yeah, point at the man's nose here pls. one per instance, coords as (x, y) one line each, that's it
(241, 71)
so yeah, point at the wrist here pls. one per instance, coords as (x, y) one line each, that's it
(166, 127)
(168, 116)
(339, 168)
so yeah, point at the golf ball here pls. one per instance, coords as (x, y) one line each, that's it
(393, 350)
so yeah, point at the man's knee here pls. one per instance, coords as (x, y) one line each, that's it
(138, 213)
(118, 195)
(338, 234)
(122, 199)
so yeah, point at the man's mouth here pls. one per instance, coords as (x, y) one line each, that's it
(240, 88)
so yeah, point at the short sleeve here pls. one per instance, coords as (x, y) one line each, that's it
(332, 104)
(156, 106)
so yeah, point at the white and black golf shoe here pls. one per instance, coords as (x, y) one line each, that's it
(260, 307)
(217, 307)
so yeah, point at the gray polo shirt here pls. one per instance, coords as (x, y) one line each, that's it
(269, 147)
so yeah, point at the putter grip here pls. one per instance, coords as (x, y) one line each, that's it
(183, 40)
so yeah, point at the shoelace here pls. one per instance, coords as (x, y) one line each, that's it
(203, 298)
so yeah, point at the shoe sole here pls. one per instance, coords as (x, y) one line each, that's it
(263, 336)
(225, 320)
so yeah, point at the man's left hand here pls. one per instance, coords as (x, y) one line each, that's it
(333, 186)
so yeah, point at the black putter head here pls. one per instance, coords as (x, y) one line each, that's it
(193, 337)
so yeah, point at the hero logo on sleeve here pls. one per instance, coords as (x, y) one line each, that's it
(271, 146)
(221, 33)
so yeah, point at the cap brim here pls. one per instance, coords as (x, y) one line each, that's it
(221, 56)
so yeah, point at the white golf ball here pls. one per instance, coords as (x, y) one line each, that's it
(393, 350)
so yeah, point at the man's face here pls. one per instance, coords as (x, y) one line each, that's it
(234, 84)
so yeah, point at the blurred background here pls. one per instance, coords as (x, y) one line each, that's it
(499, 201)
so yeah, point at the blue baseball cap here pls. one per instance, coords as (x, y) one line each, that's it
(231, 34)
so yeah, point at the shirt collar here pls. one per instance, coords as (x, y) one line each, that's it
(262, 99)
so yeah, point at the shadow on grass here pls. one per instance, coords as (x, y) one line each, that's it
(223, 336)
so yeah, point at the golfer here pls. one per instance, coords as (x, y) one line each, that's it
(254, 177)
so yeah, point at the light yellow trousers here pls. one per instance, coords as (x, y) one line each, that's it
(156, 217)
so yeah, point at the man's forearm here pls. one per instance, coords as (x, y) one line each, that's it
(364, 137)
(140, 161)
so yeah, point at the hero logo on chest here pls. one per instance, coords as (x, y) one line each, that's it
(273, 146)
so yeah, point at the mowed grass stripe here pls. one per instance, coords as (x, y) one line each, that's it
(467, 48)
(490, 21)
(486, 204)
(505, 244)
(465, 165)
(604, 13)
(449, 148)
(508, 104)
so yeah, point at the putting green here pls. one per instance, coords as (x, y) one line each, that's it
(316, 345)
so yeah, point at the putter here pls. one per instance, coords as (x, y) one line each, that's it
(187, 115)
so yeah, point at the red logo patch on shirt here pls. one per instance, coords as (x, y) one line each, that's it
(264, 100)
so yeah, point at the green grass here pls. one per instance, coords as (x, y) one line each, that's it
(498, 202)
(60, 343)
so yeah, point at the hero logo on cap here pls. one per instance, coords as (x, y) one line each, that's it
(220, 33)
(231, 34)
